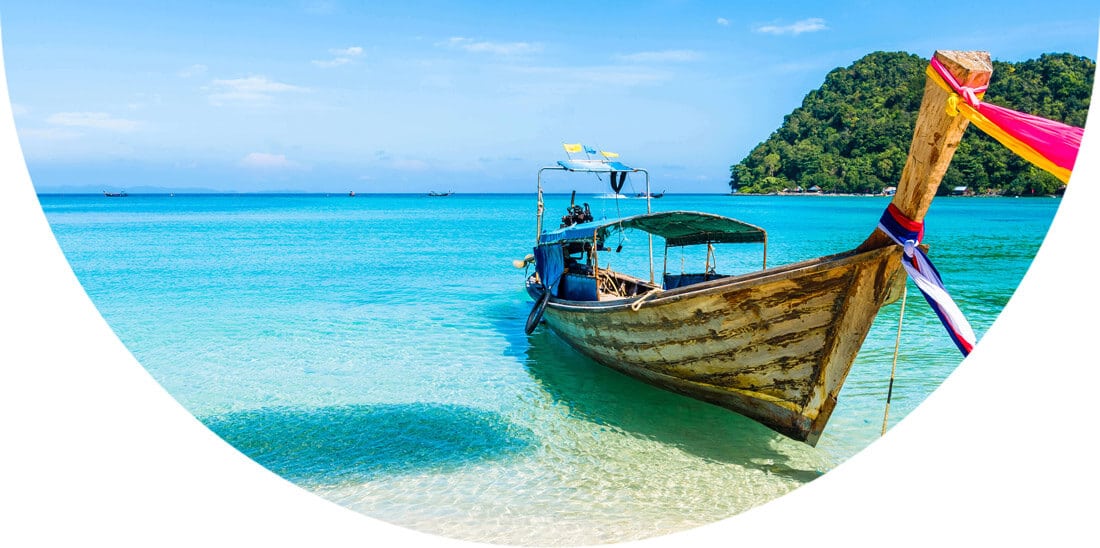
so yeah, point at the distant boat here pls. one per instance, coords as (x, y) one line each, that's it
(434, 193)
(115, 194)
(651, 195)
(351, 194)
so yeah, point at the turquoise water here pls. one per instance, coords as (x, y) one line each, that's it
(371, 350)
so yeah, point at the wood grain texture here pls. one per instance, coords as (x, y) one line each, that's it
(774, 345)
(935, 138)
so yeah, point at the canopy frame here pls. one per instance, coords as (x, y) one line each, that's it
(593, 166)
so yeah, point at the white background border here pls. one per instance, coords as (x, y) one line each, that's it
(95, 451)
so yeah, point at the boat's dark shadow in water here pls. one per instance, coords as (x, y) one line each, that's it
(329, 445)
(603, 396)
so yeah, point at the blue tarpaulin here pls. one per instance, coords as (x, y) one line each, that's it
(549, 265)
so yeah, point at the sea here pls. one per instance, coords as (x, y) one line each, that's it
(371, 350)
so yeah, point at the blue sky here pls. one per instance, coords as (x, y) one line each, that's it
(328, 96)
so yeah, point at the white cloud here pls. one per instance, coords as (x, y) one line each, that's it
(264, 160)
(813, 24)
(666, 56)
(343, 56)
(193, 70)
(329, 63)
(250, 90)
(352, 51)
(96, 120)
(498, 48)
(723, 21)
(255, 84)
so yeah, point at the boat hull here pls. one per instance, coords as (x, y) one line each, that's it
(774, 345)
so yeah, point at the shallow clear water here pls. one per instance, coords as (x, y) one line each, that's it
(371, 350)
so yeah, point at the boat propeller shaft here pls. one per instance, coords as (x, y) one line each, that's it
(522, 263)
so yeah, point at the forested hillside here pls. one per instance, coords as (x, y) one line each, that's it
(851, 135)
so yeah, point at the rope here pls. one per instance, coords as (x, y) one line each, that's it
(608, 281)
(894, 367)
(638, 303)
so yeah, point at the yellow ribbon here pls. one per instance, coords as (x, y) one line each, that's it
(955, 106)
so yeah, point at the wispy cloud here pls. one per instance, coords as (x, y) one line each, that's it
(254, 90)
(341, 56)
(95, 120)
(347, 52)
(329, 63)
(498, 48)
(666, 56)
(813, 24)
(723, 21)
(267, 161)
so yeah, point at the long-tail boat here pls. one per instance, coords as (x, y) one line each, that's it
(775, 344)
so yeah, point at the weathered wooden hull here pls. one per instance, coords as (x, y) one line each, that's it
(774, 345)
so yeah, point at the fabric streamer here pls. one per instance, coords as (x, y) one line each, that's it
(908, 233)
(1050, 145)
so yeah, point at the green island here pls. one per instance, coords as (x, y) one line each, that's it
(850, 136)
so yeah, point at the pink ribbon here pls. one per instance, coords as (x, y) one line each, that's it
(969, 94)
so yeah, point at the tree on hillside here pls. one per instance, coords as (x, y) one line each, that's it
(852, 134)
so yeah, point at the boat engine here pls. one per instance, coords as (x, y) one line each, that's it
(575, 214)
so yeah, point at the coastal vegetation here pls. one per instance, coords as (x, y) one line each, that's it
(851, 134)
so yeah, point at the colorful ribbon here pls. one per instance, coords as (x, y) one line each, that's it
(1050, 145)
(908, 233)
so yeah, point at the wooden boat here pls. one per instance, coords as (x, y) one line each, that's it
(774, 345)
(439, 194)
(646, 194)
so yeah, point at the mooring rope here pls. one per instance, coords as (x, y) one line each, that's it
(894, 367)
(638, 303)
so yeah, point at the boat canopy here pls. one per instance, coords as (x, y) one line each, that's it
(678, 228)
(593, 166)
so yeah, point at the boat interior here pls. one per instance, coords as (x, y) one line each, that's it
(584, 280)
